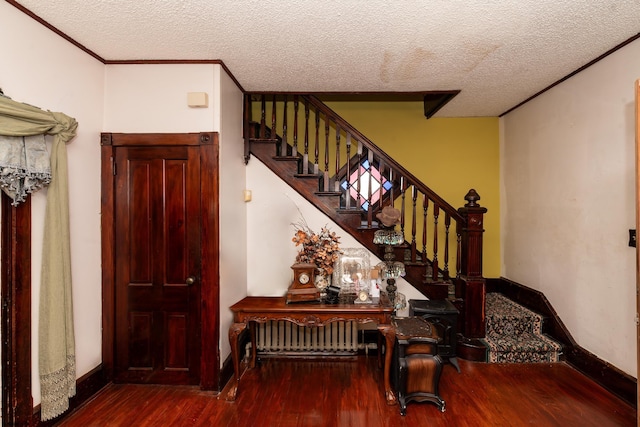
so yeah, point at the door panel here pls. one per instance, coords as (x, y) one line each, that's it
(157, 222)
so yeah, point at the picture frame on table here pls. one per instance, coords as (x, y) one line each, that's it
(352, 271)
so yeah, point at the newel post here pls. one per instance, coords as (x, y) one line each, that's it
(473, 284)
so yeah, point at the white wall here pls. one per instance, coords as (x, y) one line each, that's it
(270, 253)
(42, 69)
(153, 98)
(233, 212)
(568, 201)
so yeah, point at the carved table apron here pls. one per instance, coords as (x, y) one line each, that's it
(252, 310)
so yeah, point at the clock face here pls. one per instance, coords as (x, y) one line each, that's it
(303, 278)
(363, 296)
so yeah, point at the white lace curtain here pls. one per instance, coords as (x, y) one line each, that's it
(56, 336)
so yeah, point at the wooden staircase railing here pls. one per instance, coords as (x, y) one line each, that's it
(351, 179)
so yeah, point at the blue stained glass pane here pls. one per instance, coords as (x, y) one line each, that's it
(344, 185)
(365, 164)
(387, 185)
(365, 205)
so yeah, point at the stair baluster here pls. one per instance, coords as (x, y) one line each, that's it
(347, 191)
(294, 149)
(305, 156)
(263, 116)
(458, 261)
(381, 167)
(447, 224)
(284, 130)
(392, 189)
(403, 189)
(336, 183)
(425, 208)
(414, 198)
(316, 167)
(358, 183)
(434, 262)
(273, 117)
(369, 204)
(325, 184)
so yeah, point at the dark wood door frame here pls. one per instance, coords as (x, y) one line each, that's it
(209, 280)
(17, 402)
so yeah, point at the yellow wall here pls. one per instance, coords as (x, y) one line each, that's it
(449, 155)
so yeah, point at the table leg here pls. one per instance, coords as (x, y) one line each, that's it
(389, 334)
(234, 331)
(252, 332)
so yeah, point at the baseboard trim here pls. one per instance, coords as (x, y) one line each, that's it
(471, 349)
(226, 373)
(86, 387)
(603, 373)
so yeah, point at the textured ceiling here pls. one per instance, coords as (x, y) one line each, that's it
(499, 53)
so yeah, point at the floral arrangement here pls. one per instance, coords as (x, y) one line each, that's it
(321, 249)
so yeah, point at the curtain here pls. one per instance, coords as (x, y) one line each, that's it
(56, 336)
(24, 166)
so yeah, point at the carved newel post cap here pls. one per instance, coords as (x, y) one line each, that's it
(472, 197)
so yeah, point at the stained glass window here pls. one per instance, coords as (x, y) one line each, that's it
(367, 171)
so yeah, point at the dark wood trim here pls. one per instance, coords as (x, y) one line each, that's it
(608, 376)
(434, 101)
(41, 21)
(17, 403)
(178, 61)
(107, 224)
(210, 247)
(568, 76)
(226, 373)
(86, 387)
(88, 51)
(210, 281)
(149, 139)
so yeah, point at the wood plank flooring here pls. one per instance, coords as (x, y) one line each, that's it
(350, 393)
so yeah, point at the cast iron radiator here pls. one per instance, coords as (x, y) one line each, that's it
(286, 338)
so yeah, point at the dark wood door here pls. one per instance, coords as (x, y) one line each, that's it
(157, 264)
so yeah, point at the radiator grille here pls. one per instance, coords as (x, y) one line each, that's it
(282, 337)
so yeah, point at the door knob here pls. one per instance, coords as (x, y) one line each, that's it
(190, 280)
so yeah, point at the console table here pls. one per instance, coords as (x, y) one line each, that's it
(252, 310)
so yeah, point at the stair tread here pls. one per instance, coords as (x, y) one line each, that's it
(513, 333)
(350, 211)
(265, 140)
(523, 342)
(328, 193)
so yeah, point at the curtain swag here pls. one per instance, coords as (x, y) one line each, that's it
(56, 335)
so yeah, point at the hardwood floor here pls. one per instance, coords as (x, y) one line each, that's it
(350, 393)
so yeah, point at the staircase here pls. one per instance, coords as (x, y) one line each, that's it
(350, 179)
(514, 334)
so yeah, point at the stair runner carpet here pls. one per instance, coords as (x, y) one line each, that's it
(514, 334)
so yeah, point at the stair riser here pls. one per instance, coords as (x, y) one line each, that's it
(514, 334)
